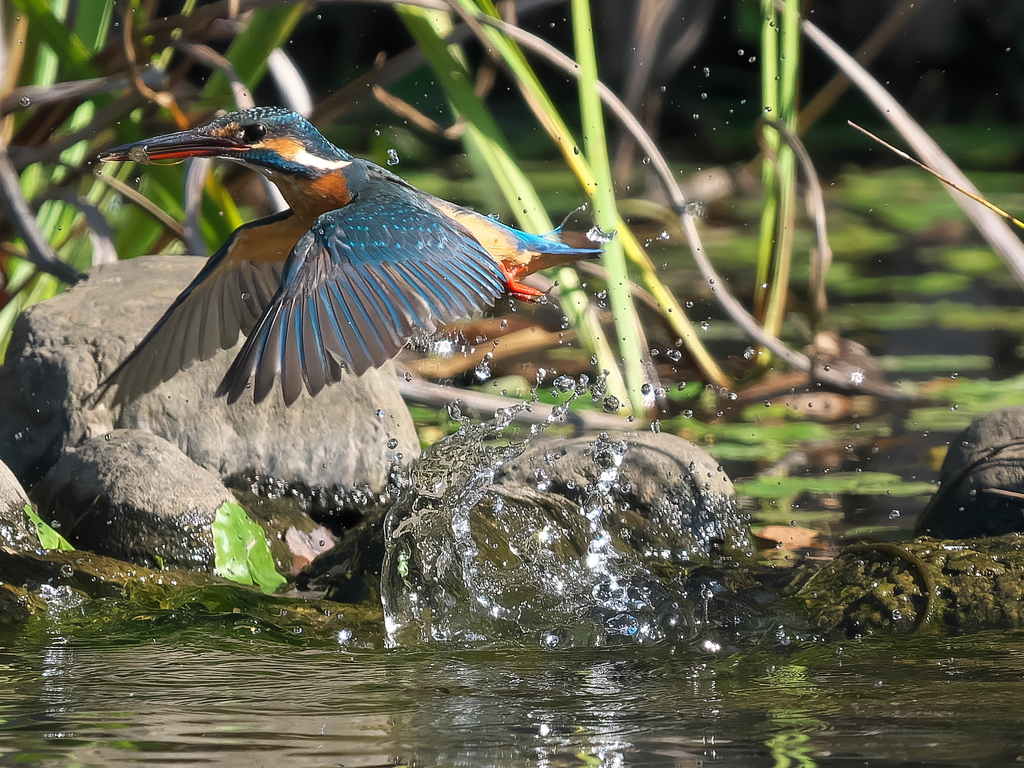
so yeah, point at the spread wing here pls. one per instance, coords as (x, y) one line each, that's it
(227, 297)
(359, 285)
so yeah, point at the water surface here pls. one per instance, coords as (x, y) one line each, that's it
(231, 702)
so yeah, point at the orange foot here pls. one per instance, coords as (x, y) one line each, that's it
(519, 290)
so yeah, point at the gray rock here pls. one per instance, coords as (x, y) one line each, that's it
(680, 497)
(136, 497)
(63, 348)
(981, 490)
(16, 531)
(588, 541)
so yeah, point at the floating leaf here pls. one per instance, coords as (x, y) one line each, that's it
(866, 483)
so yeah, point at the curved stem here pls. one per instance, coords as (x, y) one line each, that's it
(660, 165)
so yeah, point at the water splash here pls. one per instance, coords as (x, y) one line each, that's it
(554, 542)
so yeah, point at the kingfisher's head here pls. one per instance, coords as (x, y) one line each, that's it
(274, 141)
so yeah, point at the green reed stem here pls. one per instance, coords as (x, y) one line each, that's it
(547, 115)
(606, 215)
(780, 66)
(485, 140)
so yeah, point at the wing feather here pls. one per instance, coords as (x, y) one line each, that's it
(227, 297)
(362, 282)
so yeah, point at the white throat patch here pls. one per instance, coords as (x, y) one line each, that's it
(302, 157)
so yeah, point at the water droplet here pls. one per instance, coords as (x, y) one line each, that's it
(392, 443)
(563, 384)
(597, 235)
(393, 157)
(25, 101)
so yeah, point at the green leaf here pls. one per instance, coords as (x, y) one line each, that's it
(268, 29)
(48, 538)
(67, 48)
(241, 552)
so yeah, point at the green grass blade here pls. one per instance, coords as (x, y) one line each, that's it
(269, 28)
(548, 116)
(484, 134)
(606, 215)
(780, 63)
(92, 23)
(65, 48)
(48, 537)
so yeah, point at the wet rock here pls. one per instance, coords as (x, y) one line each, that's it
(296, 540)
(925, 585)
(136, 497)
(61, 350)
(350, 571)
(672, 496)
(15, 529)
(91, 596)
(581, 542)
(13, 605)
(981, 491)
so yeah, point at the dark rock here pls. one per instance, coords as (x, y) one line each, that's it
(14, 605)
(136, 497)
(574, 542)
(16, 530)
(350, 571)
(61, 350)
(981, 491)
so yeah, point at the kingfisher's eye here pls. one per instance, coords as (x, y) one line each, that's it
(253, 133)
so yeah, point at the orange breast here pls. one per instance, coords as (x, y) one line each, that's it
(310, 199)
(268, 243)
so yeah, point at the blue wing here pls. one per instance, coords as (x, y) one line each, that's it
(357, 287)
(227, 297)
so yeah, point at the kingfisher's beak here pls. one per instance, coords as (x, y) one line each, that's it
(174, 146)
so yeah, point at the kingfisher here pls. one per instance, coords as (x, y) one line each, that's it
(358, 265)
